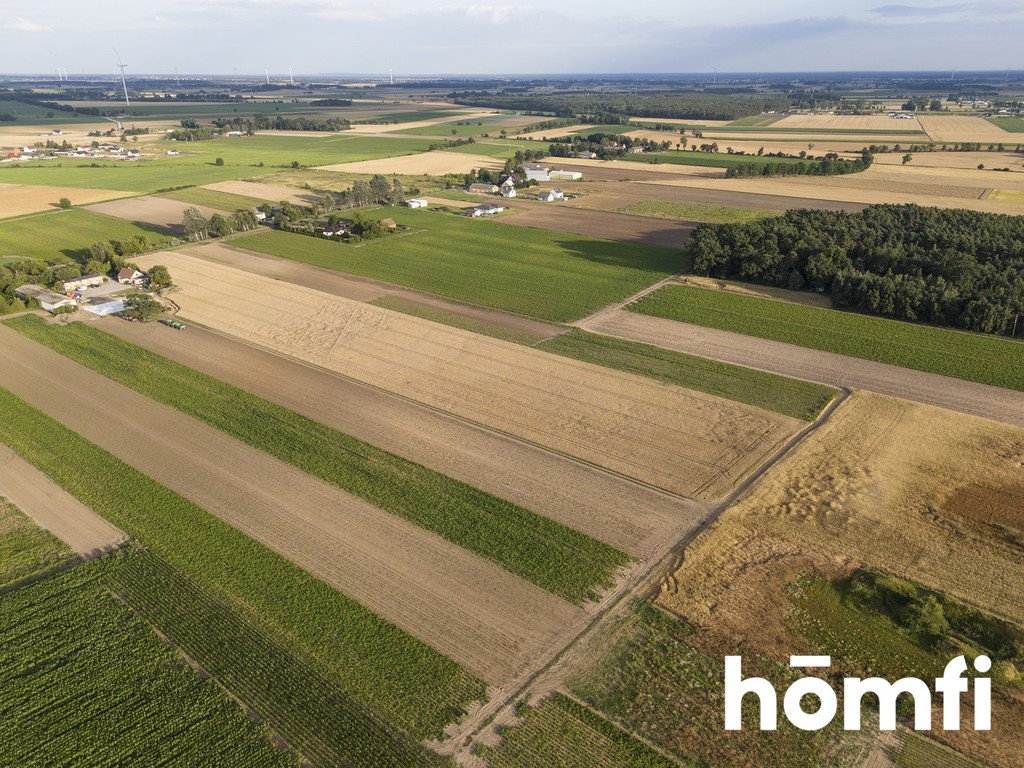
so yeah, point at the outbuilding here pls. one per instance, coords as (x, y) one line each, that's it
(551, 195)
(416, 202)
(565, 175)
(131, 276)
(537, 173)
(483, 189)
(86, 281)
(485, 209)
(46, 298)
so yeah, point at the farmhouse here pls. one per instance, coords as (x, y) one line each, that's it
(131, 276)
(483, 189)
(585, 155)
(565, 175)
(508, 188)
(635, 150)
(484, 209)
(87, 281)
(551, 195)
(537, 173)
(46, 298)
(416, 202)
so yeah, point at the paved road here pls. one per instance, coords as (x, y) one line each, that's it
(813, 365)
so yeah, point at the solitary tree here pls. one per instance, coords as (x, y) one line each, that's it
(64, 203)
(907, 158)
(159, 277)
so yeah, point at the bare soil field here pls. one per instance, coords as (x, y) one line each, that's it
(845, 122)
(814, 365)
(631, 517)
(358, 288)
(464, 606)
(434, 163)
(272, 193)
(156, 211)
(19, 199)
(53, 508)
(685, 442)
(20, 135)
(953, 128)
(881, 485)
(560, 217)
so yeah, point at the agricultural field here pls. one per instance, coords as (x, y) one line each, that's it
(1008, 196)
(686, 442)
(791, 397)
(711, 214)
(207, 197)
(475, 325)
(264, 191)
(469, 127)
(974, 357)
(556, 558)
(373, 662)
(49, 236)
(17, 200)
(26, 550)
(88, 680)
(438, 162)
(1008, 124)
(547, 275)
(150, 211)
(562, 729)
(768, 575)
(954, 128)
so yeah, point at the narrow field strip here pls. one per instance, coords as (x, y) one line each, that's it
(555, 557)
(993, 360)
(373, 661)
(87, 683)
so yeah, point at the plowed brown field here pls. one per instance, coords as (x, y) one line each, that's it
(157, 211)
(685, 442)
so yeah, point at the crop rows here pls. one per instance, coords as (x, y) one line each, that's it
(564, 561)
(984, 359)
(26, 549)
(547, 275)
(86, 683)
(389, 671)
(561, 732)
(324, 723)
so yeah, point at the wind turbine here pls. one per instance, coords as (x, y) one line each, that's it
(714, 80)
(124, 84)
(290, 78)
(267, 73)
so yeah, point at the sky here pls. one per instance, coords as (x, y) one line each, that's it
(497, 37)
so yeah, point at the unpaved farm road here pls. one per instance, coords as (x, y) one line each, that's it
(468, 608)
(53, 508)
(812, 365)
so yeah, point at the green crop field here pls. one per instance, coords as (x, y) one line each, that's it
(1008, 124)
(974, 357)
(547, 275)
(86, 682)
(243, 156)
(919, 752)
(792, 397)
(211, 198)
(378, 665)
(709, 214)
(284, 688)
(755, 120)
(579, 737)
(559, 559)
(656, 682)
(499, 149)
(55, 234)
(33, 114)
(707, 159)
(475, 127)
(456, 320)
(617, 130)
(26, 549)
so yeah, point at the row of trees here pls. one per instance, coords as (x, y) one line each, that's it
(966, 146)
(607, 146)
(829, 165)
(950, 267)
(280, 123)
(199, 227)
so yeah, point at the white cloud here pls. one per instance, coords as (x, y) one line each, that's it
(495, 14)
(21, 24)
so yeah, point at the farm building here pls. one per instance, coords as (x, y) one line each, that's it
(416, 202)
(537, 172)
(551, 195)
(46, 298)
(87, 281)
(585, 155)
(483, 189)
(484, 209)
(131, 276)
(508, 188)
(103, 306)
(635, 150)
(565, 175)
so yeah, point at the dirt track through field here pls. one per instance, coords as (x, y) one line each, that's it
(469, 609)
(359, 288)
(156, 211)
(685, 442)
(53, 508)
(813, 365)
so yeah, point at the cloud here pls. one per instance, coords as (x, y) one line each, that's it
(21, 24)
(918, 10)
(495, 14)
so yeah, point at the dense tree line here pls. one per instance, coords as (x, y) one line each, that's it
(281, 123)
(829, 165)
(950, 267)
(614, 107)
(606, 146)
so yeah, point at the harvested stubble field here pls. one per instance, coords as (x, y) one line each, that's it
(544, 275)
(19, 199)
(435, 163)
(874, 123)
(682, 441)
(418, 581)
(886, 484)
(630, 517)
(153, 211)
(954, 128)
(26, 550)
(265, 192)
(211, 198)
(54, 509)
